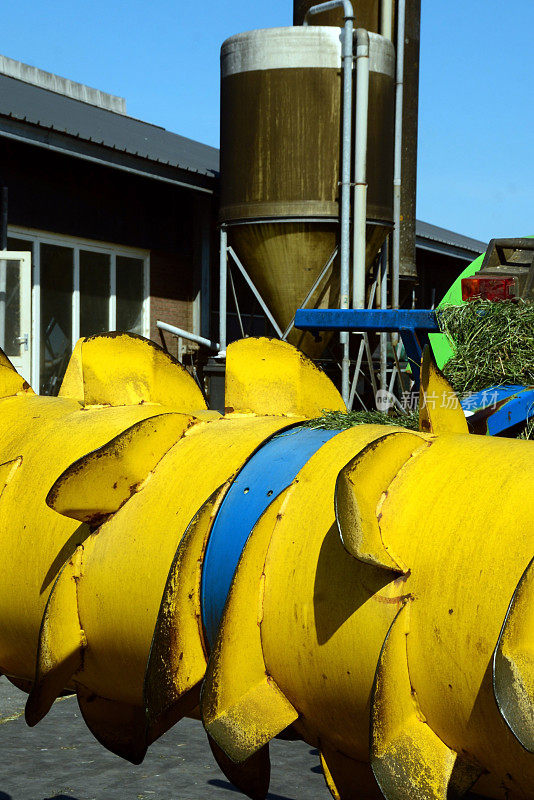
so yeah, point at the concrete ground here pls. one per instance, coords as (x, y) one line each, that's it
(60, 760)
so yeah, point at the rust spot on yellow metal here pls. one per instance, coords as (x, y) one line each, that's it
(178, 659)
(398, 600)
(87, 490)
(11, 383)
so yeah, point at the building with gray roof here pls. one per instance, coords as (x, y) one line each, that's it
(118, 218)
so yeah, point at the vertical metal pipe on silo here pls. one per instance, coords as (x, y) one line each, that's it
(410, 105)
(384, 268)
(386, 18)
(346, 149)
(386, 30)
(345, 188)
(397, 175)
(360, 169)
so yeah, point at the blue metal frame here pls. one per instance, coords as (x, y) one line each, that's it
(266, 474)
(496, 410)
(413, 325)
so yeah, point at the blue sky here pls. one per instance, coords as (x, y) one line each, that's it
(476, 132)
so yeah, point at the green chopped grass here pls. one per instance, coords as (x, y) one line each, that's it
(493, 344)
(341, 420)
(528, 430)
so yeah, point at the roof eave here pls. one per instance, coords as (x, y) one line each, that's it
(105, 156)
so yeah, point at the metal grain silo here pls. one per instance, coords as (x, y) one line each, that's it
(280, 159)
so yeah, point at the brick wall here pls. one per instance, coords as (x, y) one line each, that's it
(173, 282)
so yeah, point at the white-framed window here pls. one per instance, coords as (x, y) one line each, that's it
(79, 288)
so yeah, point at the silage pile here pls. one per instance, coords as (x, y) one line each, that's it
(493, 344)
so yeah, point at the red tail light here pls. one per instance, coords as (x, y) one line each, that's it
(488, 288)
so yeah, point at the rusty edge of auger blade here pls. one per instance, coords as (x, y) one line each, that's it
(126, 369)
(242, 707)
(99, 483)
(178, 654)
(361, 487)
(407, 757)
(513, 663)
(11, 383)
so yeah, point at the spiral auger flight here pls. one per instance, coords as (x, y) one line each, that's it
(367, 590)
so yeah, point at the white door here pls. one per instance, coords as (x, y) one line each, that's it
(16, 308)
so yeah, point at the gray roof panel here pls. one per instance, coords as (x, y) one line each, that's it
(46, 109)
(441, 240)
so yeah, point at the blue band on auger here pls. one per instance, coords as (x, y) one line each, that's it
(267, 473)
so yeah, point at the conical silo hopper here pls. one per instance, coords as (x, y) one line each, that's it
(280, 160)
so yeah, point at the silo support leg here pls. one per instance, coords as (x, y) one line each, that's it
(256, 293)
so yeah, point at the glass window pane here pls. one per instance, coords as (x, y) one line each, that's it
(130, 294)
(94, 292)
(56, 314)
(10, 283)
